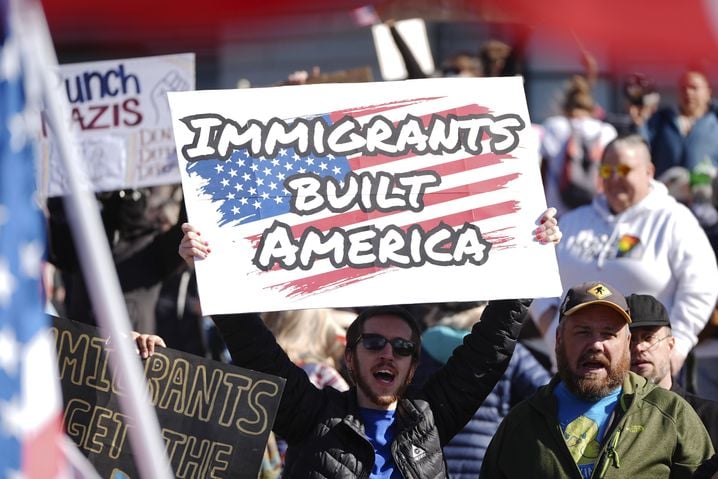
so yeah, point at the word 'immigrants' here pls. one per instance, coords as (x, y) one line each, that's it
(216, 137)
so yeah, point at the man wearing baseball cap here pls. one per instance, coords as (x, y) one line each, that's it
(652, 343)
(596, 418)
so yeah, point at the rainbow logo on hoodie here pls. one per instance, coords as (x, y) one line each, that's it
(629, 247)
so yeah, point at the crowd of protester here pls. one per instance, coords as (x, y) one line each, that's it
(645, 219)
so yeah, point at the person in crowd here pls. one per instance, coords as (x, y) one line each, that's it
(571, 149)
(523, 376)
(461, 64)
(641, 239)
(708, 470)
(685, 136)
(651, 346)
(146, 343)
(312, 340)
(596, 418)
(495, 58)
(140, 249)
(178, 315)
(380, 427)
(499, 59)
(699, 192)
(641, 100)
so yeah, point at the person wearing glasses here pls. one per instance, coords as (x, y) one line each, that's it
(597, 419)
(639, 238)
(381, 427)
(651, 346)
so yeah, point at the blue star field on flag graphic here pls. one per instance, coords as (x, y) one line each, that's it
(247, 188)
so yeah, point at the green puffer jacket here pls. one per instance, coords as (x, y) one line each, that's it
(655, 434)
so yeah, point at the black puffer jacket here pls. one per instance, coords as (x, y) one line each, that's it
(323, 428)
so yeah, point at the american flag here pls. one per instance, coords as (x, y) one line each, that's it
(246, 189)
(365, 16)
(30, 405)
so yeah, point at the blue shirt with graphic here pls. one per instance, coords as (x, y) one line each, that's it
(377, 427)
(583, 424)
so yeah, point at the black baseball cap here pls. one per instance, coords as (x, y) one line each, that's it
(593, 292)
(647, 311)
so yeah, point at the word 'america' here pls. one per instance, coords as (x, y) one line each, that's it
(369, 246)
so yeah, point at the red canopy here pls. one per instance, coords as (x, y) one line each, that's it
(652, 30)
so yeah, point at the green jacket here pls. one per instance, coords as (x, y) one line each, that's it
(654, 434)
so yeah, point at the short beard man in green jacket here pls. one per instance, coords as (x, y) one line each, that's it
(596, 419)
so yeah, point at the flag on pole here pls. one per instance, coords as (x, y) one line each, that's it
(30, 404)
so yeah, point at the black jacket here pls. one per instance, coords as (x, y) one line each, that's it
(323, 428)
(707, 410)
(143, 257)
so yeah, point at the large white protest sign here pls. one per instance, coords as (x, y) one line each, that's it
(360, 194)
(119, 112)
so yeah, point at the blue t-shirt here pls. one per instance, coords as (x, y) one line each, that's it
(583, 424)
(377, 427)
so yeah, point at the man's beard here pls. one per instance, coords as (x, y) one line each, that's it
(381, 401)
(592, 389)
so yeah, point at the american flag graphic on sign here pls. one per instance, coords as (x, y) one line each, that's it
(247, 188)
(379, 188)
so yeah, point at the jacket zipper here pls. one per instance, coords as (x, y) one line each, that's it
(610, 454)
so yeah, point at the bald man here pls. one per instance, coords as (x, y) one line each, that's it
(687, 134)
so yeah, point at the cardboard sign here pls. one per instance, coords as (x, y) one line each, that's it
(360, 194)
(214, 418)
(119, 112)
(391, 63)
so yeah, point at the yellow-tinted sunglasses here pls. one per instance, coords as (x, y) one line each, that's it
(607, 171)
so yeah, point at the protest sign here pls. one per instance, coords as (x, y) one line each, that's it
(118, 109)
(368, 193)
(391, 63)
(215, 418)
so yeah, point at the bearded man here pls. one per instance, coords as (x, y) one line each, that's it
(597, 419)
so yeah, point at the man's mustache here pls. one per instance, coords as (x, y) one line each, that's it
(595, 358)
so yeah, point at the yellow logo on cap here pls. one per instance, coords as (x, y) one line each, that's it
(599, 291)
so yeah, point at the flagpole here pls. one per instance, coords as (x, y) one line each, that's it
(95, 259)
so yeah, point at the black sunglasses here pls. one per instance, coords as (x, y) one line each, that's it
(376, 342)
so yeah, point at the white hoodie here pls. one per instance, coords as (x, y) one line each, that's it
(654, 247)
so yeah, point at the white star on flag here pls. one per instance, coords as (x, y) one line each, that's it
(9, 351)
(7, 283)
(31, 259)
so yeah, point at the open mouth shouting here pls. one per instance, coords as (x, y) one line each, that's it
(593, 364)
(384, 374)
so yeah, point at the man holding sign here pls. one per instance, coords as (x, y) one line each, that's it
(329, 195)
(333, 195)
(379, 428)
